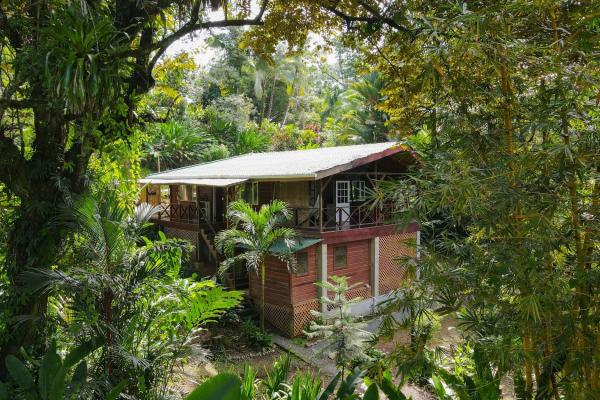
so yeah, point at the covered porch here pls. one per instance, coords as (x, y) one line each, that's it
(331, 204)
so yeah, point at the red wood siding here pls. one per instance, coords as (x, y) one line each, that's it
(350, 235)
(277, 283)
(357, 267)
(303, 286)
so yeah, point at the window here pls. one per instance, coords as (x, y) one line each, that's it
(342, 192)
(254, 193)
(165, 194)
(249, 192)
(339, 257)
(312, 194)
(302, 263)
(186, 193)
(359, 191)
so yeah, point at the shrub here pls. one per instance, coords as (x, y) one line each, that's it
(255, 336)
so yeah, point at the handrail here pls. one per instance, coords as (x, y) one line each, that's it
(303, 218)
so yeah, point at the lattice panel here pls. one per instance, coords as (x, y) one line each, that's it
(391, 248)
(362, 291)
(302, 316)
(281, 317)
(190, 236)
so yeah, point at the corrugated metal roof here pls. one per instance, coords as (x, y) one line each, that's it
(191, 181)
(297, 164)
(299, 244)
(281, 247)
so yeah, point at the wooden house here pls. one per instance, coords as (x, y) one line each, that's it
(327, 190)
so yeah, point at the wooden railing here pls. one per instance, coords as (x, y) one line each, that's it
(182, 212)
(303, 218)
(339, 218)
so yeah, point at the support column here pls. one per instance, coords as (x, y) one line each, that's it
(374, 266)
(322, 273)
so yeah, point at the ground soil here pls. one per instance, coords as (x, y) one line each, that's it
(229, 351)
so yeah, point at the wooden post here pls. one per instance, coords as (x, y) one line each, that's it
(320, 205)
(322, 273)
(213, 215)
(374, 253)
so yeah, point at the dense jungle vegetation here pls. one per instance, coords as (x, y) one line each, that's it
(499, 99)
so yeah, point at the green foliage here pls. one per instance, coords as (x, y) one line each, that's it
(252, 234)
(79, 65)
(346, 339)
(276, 381)
(256, 336)
(250, 140)
(249, 383)
(175, 144)
(121, 286)
(410, 310)
(302, 386)
(482, 384)
(508, 183)
(220, 387)
(305, 387)
(58, 378)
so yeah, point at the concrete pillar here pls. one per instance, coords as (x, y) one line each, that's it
(374, 253)
(322, 273)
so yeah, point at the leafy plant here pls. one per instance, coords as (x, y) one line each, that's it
(57, 378)
(251, 237)
(125, 288)
(346, 339)
(175, 144)
(255, 335)
(220, 387)
(249, 383)
(276, 380)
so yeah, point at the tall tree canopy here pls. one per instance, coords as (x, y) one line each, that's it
(506, 97)
(75, 72)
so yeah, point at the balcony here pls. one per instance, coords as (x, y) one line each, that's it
(339, 218)
(306, 219)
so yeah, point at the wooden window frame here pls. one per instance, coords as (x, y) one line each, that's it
(297, 263)
(335, 266)
(359, 190)
(254, 193)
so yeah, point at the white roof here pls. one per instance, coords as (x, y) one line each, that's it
(284, 165)
(199, 182)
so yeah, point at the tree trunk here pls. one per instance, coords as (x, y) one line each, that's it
(271, 96)
(33, 241)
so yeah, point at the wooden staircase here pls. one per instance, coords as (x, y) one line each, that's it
(234, 278)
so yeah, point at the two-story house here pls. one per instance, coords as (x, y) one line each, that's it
(327, 190)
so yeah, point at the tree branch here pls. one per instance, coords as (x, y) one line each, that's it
(375, 17)
(162, 45)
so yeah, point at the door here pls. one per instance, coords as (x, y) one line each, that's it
(342, 204)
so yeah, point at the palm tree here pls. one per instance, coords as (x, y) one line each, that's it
(252, 238)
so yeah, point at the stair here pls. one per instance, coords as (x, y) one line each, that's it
(235, 278)
(208, 242)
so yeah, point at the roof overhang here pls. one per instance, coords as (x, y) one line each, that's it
(191, 181)
(395, 149)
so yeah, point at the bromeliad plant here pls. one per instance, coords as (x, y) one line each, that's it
(252, 237)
